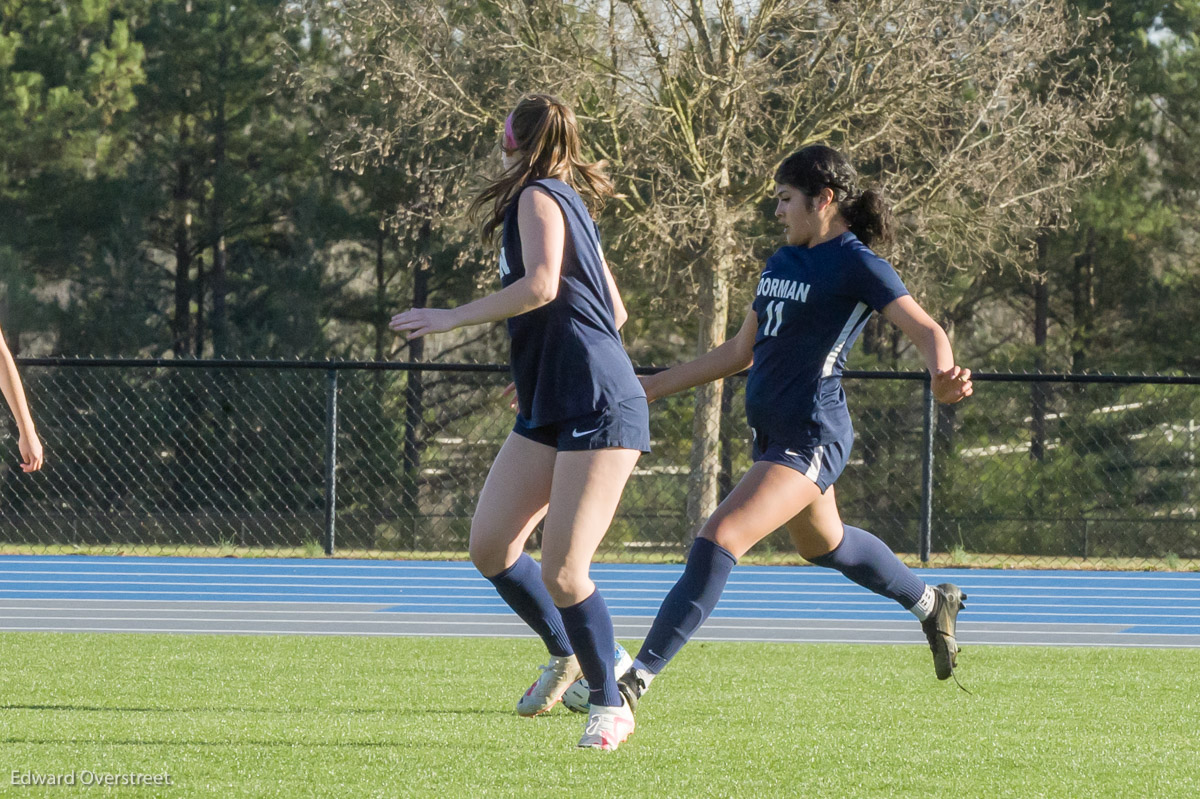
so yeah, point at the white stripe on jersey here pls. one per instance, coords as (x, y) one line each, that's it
(814, 468)
(857, 314)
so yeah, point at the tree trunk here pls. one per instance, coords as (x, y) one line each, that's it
(181, 332)
(219, 283)
(1038, 392)
(201, 287)
(381, 317)
(875, 338)
(725, 481)
(703, 479)
(414, 395)
(1083, 298)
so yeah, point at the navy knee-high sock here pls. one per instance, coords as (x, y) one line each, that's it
(867, 561)
(521, 586)
(591, 631)
(688, 603)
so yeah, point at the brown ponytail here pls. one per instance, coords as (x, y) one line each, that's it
(547, 138)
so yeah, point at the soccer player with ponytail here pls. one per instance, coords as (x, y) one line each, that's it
(812, 301)
(582, 421)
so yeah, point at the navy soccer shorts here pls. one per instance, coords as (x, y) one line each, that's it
(625, 425)
(821, 463)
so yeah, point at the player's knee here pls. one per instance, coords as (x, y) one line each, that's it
(487, 557)
(484, 563)
(566, 587)
(724, 533)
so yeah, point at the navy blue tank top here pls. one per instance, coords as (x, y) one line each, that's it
(811, 304)
(567, 356)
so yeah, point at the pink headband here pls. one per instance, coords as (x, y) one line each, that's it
(510, 141)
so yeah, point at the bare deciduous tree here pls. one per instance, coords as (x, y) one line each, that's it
(978, 118)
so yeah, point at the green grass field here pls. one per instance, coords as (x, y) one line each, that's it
(350, 717)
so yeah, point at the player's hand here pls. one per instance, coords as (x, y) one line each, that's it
(952, 385)
(510, 391)
(423, 321)
(31, 453)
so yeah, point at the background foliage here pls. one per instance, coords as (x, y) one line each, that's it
(183, 178)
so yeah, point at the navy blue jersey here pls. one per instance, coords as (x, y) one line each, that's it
(811, 304)
(567, 356)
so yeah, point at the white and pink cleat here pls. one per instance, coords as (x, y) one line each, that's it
(607, 727)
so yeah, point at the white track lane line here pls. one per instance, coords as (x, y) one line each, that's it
(1024, 574)
(651, 604)
(859, 596)
(302, 617)
(520, 626)
(792, 587)
(822, 640)
(217, 617)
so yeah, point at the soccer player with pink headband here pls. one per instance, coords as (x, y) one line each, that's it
(583, 421)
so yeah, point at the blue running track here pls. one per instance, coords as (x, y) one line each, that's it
(761, 603)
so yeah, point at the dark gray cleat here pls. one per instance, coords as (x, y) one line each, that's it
(940, 628)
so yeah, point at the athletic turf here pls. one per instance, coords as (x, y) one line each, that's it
(297, 716)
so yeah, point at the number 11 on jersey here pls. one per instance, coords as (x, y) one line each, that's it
(774, 318)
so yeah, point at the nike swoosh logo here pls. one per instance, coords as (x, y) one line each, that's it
(793, 454)
(578, 434)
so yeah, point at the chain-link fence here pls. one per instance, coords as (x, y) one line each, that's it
(386, 460)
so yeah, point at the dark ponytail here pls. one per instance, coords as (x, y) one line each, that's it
(869, 218)
(819, 167)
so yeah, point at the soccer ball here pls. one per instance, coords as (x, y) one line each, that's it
(577, 698)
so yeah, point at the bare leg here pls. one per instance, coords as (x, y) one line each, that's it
(587, 487)
(817, 530)
(514, 499)
(821, 537)
(765, 499)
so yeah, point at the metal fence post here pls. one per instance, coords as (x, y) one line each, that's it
(927, 474)
(331, 425)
